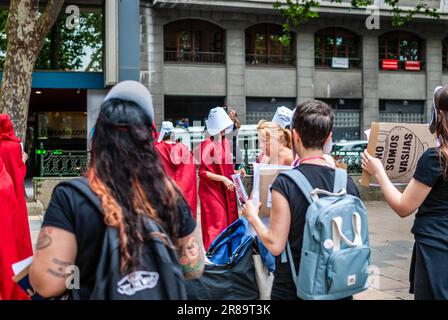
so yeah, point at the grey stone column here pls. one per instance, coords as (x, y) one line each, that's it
(236, 68)
(370, 78)
(152, 52)
(305, 65)
(433, 71)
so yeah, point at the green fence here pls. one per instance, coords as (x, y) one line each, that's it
(352, 159)
(62, 163)
(70, 163)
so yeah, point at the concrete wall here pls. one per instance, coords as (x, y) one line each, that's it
(338, 84)
(194, 80)
(370, 81)
(94, 100)
(305, 65)
(435, 70)
(152, 59)
(43, 189)
(271, 82)
(444, 79)
(402, 85)
(305, 81)
(236, 68)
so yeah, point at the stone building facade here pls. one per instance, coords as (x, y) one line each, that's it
(187, 82)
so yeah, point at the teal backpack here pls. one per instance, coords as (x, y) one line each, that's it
(335, 253)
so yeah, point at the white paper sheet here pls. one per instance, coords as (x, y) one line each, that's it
(21, 265)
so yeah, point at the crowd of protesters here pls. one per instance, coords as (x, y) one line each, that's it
(138, 174)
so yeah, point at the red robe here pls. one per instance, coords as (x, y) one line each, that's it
(180, 166)
(9, 290)
(11, 154)
(218, 204)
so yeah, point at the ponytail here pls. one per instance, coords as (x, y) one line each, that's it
(441, 104)
(442, 133)
(287, 137)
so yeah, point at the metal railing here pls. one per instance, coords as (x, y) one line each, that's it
(354, 63)
(254, 59)
(195, 57)
(402, 117)
(58, 163)
(351, 159)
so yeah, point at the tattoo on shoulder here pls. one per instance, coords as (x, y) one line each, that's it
(44, 240)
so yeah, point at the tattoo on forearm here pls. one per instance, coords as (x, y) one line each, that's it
(57, 274)
(61, 263)
(192, 257)
(44, 240)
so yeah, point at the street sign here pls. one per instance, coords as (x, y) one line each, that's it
(340, 63)
(389, 64)
(413, 65)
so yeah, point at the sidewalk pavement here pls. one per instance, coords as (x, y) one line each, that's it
(391, 242)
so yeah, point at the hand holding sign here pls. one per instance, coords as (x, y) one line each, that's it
(397, 147)
(372, 165)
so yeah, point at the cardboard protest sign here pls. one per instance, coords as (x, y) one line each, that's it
(399, 146)
(267, 175)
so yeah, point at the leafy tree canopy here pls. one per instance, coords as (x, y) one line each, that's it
(79, 49)
(297, 12)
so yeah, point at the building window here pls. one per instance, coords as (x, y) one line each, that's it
(347, 120)
(263, 46)
(264, 108)
(190, 110)
(337, 48)
(406, 111)
(399, 50)
(445, 54)
(194, 41)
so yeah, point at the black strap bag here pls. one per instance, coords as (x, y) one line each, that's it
(159, 276)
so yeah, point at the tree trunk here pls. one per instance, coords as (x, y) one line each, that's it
(26, 29)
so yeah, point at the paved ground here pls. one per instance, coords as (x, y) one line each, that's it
(391, 243)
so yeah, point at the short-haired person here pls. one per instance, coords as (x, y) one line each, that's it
(311, 129)
(427, 193)
(128, 178)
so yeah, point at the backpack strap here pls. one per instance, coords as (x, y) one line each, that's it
(295, 274)
(83, 187)
(304, 185)
(301, 182)
(340, 180)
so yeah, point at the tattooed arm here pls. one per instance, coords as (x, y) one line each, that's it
(55, 252)
(191, 255)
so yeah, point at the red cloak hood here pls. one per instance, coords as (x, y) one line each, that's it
(7, 129)
(11, 154)
(8, 245)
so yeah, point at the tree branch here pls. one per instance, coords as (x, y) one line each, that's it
(49, 17)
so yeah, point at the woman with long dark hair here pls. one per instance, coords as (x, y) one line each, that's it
(428, 193)
(128, 178)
